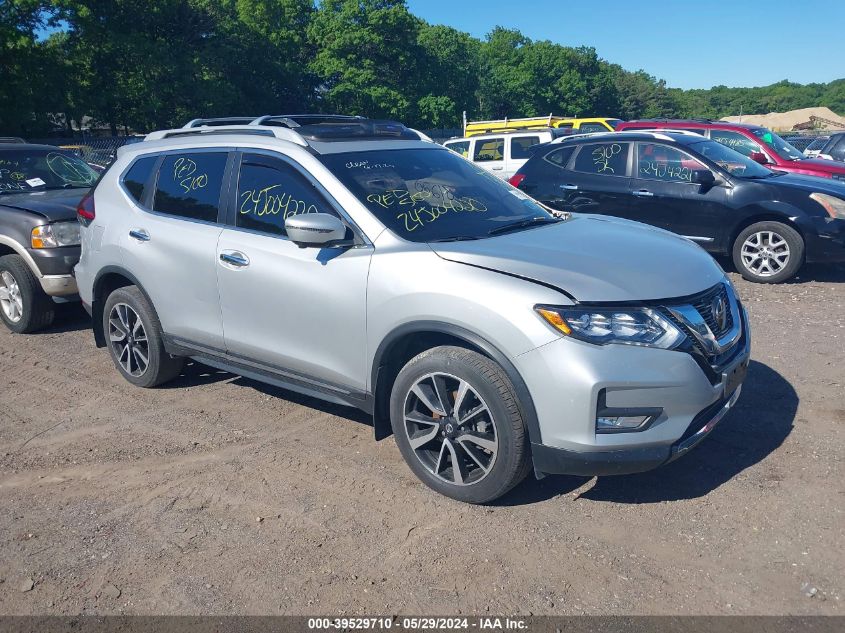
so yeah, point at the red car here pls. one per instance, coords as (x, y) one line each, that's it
(758, 143)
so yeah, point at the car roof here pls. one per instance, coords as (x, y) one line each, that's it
(703, 123)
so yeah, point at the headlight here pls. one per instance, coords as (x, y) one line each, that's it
(602, 326)
(58, 234)
(834, 206)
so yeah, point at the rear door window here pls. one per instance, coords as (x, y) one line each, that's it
(603, 159)
(189, 185)
(489, 149)
(270, 191)
(521, 144)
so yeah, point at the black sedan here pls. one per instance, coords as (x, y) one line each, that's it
(770, 222)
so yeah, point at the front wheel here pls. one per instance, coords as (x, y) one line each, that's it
(768, 252)
(24, 306)
(457, 423)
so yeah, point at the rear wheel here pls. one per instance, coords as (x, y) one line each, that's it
(457, 422)
(768, 252)
(24, 306)
(135, 339)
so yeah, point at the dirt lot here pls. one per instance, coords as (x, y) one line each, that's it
(220, 495)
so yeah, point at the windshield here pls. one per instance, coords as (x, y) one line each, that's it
(38, 170)
(731, 161)
(426, 195)
(777, 144)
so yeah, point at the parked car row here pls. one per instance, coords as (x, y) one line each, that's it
(354, 261)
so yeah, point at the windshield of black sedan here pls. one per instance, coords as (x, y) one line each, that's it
(730, 160)
(426, 195)
(777, 144)
(24, 170)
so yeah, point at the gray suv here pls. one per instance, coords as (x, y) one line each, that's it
(348, 259)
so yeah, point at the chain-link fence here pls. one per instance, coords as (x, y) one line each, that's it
(96, 150)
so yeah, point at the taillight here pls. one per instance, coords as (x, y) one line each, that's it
(85, 211)
(516, 179)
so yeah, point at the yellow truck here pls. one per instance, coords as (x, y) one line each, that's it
(577, 125)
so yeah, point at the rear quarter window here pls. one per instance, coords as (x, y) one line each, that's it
(135, 180)
(560, 157)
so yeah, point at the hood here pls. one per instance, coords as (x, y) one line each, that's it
(809, 184)
(56, 205)
(595, 258)
(820, 164)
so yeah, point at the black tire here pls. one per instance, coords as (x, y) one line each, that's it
(491, 387)
(777, 232)
(161, 366)
(38, 309)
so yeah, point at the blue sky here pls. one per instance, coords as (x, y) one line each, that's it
(689, 43)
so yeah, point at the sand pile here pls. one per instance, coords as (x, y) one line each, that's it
(788, 120)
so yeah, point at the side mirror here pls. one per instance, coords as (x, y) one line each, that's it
(314, 229)
(759, 157)
(703, 177)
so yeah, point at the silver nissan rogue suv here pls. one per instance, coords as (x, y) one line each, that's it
(347, 259)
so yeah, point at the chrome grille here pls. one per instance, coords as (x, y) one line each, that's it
(703, 304)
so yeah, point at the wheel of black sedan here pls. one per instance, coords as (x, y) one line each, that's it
(457, 423)
(768, 252)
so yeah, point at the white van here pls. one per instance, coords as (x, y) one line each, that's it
(502, 153)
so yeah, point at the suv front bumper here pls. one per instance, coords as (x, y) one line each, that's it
(568, 379)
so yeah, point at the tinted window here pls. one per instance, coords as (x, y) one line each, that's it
(662, 162)
(560, 157)
(38, 170)
(269, 191)
(189, 185)
(736, 141)
(426, 195)
(838, 151)
(519, 146)
(138, 176)
(489, 149)
(608, 159)
(461, 148)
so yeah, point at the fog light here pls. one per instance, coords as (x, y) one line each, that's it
(620, 423)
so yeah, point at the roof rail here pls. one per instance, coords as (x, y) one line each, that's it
(298, 120)
(229, 120)
(660, 134)
(282, 133)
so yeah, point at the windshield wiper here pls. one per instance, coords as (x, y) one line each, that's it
(522, 224)
(455, 238)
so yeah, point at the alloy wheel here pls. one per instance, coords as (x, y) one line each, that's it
(450, 429)
(128, 339)
(10, 297)
(765, 253)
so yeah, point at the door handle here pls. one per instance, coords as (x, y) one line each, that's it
(234, 258)
(498, 168)
(643, 193)
(569, 187)
(139, 234)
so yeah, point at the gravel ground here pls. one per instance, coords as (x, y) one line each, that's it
(220, 495)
